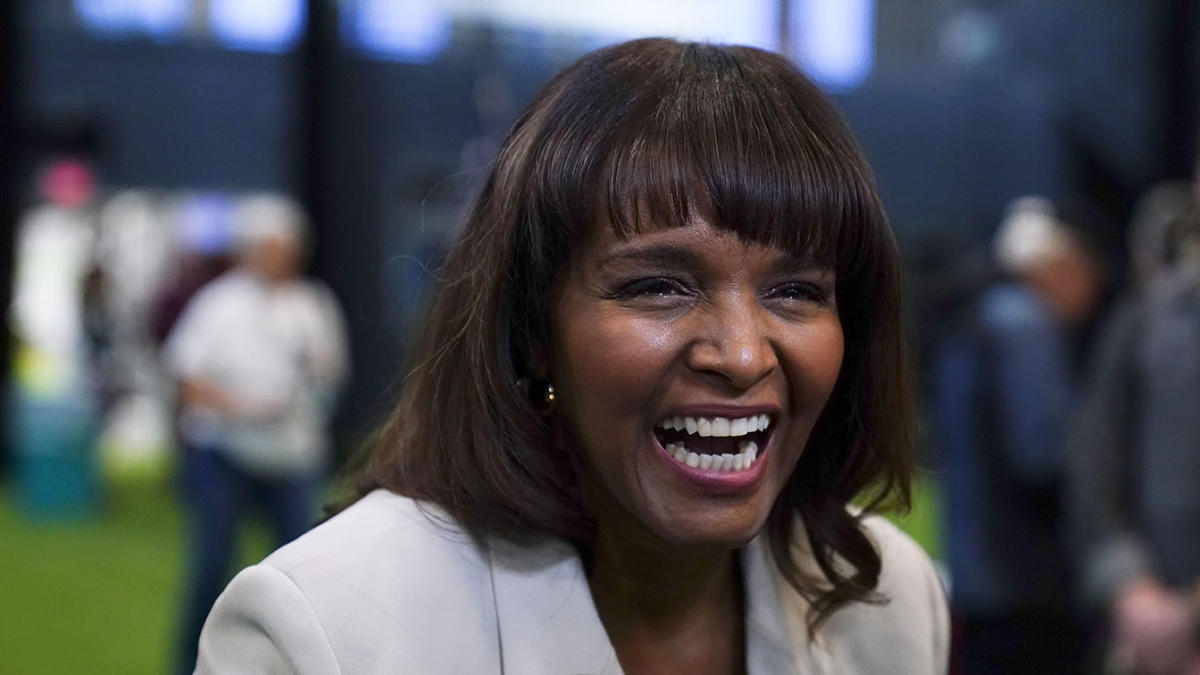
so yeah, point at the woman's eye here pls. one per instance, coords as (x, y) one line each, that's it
(653, 287)
(800, 290)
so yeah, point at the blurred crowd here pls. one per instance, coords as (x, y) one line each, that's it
(174, 333)
(1067, 432)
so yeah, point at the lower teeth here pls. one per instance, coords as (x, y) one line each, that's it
(725, 463)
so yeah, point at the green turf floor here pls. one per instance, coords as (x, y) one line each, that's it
(94, 595)
(90, 596)
(100, 595)
(922, 521)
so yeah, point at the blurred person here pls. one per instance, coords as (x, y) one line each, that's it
(133, 260)
(54, 255)
(56, 389)
(1135, 451)
(1159, 230)
(258, 355)
(1003, 391)
(664, 357)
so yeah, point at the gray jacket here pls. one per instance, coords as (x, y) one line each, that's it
(1134, 453)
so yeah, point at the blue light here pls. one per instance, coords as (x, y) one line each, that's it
(261, 25)
(753, 22)
(104, 15)
(204, 223)
(834, 40)
(415, 31)
(158, 19)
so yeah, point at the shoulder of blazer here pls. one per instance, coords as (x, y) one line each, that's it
(397, 582)
(369, 525)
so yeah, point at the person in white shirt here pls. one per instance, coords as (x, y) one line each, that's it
(258, 355)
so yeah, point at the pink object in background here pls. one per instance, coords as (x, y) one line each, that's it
(68, 183)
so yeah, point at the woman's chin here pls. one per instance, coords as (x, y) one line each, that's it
(711, 531)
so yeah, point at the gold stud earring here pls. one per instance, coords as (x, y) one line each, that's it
(540, 393)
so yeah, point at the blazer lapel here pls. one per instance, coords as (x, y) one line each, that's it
(545, 614)
(776, 631)
(548, 624)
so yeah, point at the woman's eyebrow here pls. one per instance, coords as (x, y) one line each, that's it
(676, 256)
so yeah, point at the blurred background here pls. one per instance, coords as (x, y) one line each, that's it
(130, 130)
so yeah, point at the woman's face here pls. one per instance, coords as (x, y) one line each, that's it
(691, 368)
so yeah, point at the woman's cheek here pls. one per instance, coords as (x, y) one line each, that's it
(621, 357)
(821, 351)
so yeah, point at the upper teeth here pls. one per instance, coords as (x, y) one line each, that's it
(718, 426)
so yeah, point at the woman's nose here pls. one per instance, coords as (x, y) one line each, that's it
(732, 342)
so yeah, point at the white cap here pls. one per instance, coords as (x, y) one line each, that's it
(263, 216)
(1029, 234)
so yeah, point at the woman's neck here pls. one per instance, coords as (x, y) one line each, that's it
(667, 612)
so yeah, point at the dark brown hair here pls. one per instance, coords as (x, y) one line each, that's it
(652, 133)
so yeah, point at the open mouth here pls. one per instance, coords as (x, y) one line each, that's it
(715, 443)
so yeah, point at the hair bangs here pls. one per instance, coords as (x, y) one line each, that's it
(740, 152)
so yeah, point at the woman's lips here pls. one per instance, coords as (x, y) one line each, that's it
(714, 442)
(715, 452)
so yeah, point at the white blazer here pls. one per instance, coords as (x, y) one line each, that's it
(383, 588)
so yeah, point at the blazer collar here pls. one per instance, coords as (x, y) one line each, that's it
(776, 629)
(548, 623)
(546, 619)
